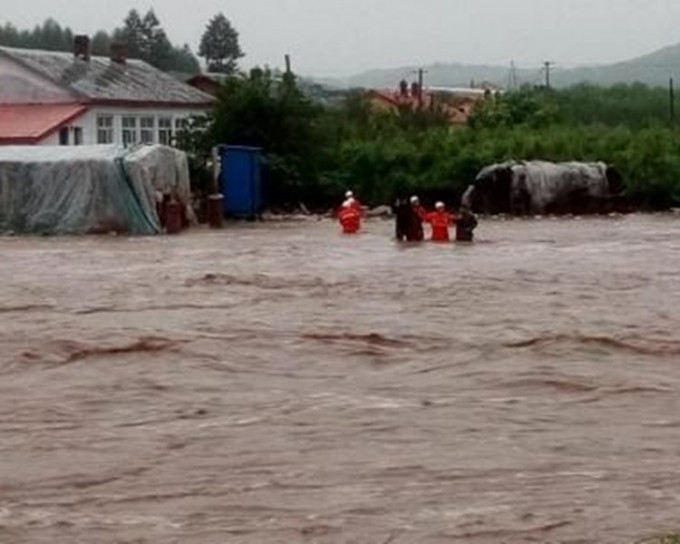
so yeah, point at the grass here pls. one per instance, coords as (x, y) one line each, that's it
(668, 539)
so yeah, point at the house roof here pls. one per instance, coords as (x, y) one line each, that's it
(30, 123)
(100, 80)
(457, 106)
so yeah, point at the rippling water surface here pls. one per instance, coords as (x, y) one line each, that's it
(279, 383)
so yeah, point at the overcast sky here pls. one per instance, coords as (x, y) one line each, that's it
(342, 37)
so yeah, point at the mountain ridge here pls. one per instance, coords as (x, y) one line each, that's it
(654, 69)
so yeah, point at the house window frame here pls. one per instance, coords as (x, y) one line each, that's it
(105, 131)
(147, 129)
(130, 130)
(181, 123)
(64, 135)
(166, 133)
(77, 135)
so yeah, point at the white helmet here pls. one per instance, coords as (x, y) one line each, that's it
(414, 200)
(349, 194)
(439, 205)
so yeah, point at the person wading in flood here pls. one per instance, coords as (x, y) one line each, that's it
(440, 220)
(465, 225)
(349, 197)
(417, 218)
(409, 225)
(349, 217)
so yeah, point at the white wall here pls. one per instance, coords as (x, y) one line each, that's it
(19, 85)
(88, 122)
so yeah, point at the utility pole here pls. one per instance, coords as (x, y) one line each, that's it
(513, 84)
(288, 64)
(547, 64)
(420, 73)
(671, 89)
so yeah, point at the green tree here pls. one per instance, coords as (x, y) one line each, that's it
(133, 34)
(101, 44)
(220, 46)
(146, 39)
(183, 60)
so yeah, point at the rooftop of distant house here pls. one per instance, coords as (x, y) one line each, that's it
(456, 103)
(108, 80)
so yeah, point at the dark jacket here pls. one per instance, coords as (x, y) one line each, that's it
(465, 226)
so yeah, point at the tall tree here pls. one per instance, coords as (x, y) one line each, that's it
(132, 34)
(101, 44)
(183, 60)
(146, 39)
(219, 45)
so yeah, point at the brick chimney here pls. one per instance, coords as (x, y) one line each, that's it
(118, 53)
(403, 88)
(81, 47)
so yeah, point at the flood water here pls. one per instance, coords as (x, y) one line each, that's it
(279, 383)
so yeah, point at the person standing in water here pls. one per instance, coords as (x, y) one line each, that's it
(349, 217)
(465, 225)
(350, 198)
(440, 220)
(418, 213)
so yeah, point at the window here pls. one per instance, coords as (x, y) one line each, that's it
(147, 125)
(129, 130)
(105, 129)
(181, 123)
(63, 136)
(77, 136)
(165, 130)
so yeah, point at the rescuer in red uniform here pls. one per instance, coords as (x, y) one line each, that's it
(349, 217)
(440, 220)
(349, 197)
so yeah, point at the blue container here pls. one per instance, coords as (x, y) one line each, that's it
(241, 181)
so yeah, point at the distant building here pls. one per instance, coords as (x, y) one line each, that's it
(457, 103)
(53, 98)
(207, 82)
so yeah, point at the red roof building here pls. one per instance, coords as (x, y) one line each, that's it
(456, 104)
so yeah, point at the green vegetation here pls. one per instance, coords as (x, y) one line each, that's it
(668, 539)
(314, 153)
(219, 45)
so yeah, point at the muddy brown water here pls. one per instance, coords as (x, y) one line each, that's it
(279, 383)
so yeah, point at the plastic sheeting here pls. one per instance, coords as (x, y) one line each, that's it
(88, 189)
(536, 186)
(547, 182)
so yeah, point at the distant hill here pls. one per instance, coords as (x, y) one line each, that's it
(654, 69)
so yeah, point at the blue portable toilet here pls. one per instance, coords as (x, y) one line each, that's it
(241, 180)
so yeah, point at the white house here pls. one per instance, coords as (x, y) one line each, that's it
(53, 98)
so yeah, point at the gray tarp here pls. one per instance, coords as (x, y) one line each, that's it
(538, 186)
(87, 189)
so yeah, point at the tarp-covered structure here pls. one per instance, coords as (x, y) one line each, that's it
(537, 187)
(88, 189)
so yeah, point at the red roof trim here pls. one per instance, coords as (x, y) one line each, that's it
(18, 141)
